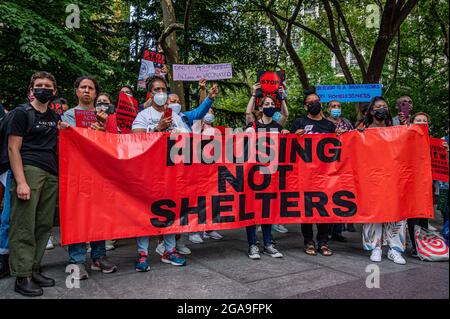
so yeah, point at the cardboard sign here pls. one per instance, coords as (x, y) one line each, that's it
(151, 64)
(270, 82)
(439, 160)
(127, 109)
(192, 72)
(84, 118)
(349, 92)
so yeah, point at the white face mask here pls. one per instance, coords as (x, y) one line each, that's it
(175, 107)
(160, 98)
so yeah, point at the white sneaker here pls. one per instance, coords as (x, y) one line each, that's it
(375, 256)
(109, 245)
(212, 234)
(160, 248)
(182, 249)
(50, 243)
(271, 251)
(396, 257)
(195, 238)
(280, 229)
(253, 252)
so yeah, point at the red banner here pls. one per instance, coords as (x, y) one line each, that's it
(119, 186)
(439, 160)
(127, 109)
(84, 118)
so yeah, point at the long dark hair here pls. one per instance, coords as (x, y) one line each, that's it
(368, 119)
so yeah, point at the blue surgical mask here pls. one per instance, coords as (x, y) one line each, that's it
(276, 117)
(336, 113)
(209, 118)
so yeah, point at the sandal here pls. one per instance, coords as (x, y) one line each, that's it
(311, 250)
(325, 250)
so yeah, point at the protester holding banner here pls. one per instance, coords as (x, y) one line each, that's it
(313, 123)
(198, 113)
(264, 124)
(32, 134)
(418, 118)
(253, 113)
(342, 125)
(155, 119)
(87, 90)
(394, 233)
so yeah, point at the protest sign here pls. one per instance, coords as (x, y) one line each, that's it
(349, 92)
(127, 109)
(270, 82)
(152, 63)
(193, 72)
(148, 184)
(84, 118)
(439, 160)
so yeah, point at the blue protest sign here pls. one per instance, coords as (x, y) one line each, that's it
(348, 92)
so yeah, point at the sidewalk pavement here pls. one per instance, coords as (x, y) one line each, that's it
(221, 270)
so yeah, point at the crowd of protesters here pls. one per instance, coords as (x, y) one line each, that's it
(29, 177)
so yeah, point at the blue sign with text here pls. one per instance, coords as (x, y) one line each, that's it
(349, 92)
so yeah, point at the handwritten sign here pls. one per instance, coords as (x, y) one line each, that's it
(349, 92)
(193, 72)
(439, 160)
(127, 109)
(84, 118)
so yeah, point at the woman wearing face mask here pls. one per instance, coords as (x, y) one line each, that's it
(205, 127)
(313, 123)
(394, 233)
(264, 124)
(418, 118)
(253, 114)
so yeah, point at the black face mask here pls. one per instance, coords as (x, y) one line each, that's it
(380, 114)
(269, 111)
(314, 108)
(43, 95)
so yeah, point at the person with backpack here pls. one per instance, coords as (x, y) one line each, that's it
(31, 132)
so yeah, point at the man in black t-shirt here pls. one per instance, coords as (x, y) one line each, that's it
(33, 159)
(313, 123)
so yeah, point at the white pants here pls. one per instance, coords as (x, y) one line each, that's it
(394, 234)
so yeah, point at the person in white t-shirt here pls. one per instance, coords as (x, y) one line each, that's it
(154, 119)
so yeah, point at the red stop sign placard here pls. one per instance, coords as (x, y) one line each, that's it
(270, 82)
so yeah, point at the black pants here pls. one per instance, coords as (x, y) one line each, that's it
(412, 222)
(322, 233)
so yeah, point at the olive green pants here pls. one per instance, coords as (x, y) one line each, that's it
(31, 221)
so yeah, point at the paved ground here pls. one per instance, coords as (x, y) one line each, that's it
(221, 269)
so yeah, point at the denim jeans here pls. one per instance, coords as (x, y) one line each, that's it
(6, 213)
(77, 252)
(170, 243)
(267, 234)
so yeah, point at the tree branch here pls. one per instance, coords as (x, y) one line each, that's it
(338, 52)
(351, 42)
(293, 18)
(168, 31)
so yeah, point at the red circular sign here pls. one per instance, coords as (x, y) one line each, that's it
(270, 82)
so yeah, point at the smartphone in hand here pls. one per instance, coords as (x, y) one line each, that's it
(168, 112)
(405, 108)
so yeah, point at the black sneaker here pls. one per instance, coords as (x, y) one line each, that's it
(104, 265)
(4, 266)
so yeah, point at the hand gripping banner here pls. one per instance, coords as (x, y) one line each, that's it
(130, 185)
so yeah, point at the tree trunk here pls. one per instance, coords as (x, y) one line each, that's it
(171, 48)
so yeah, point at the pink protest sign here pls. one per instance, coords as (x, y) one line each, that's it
(196, 72)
